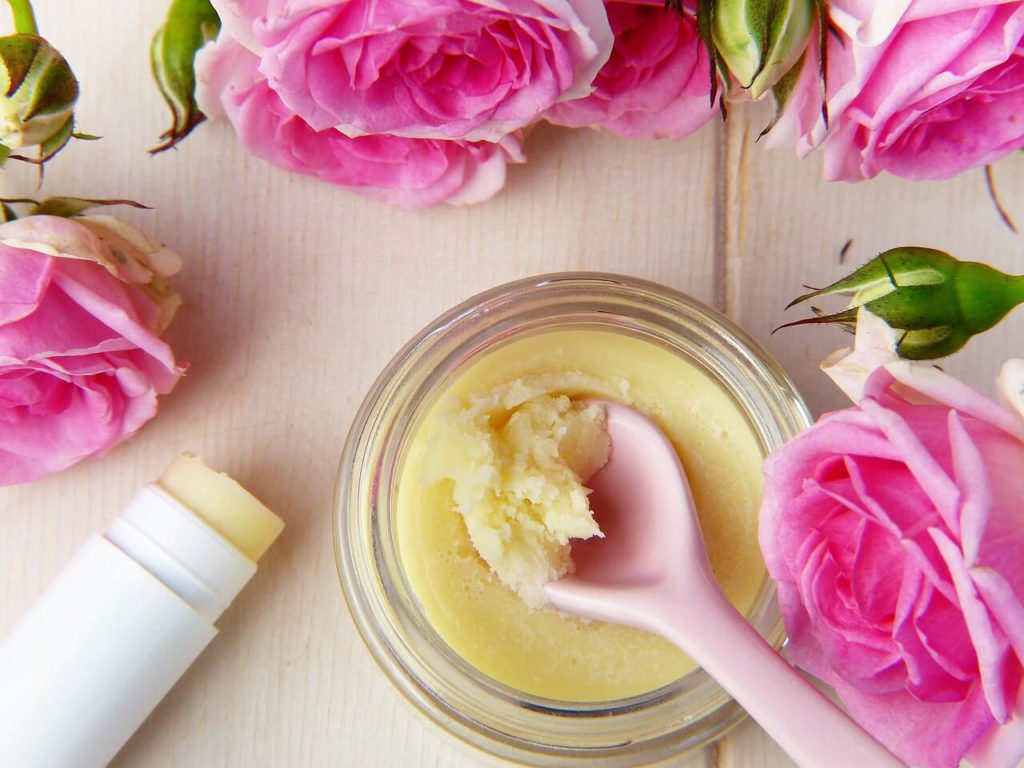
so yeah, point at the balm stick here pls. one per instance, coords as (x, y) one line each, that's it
(126, 617)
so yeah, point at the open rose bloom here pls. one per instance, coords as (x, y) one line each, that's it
(83, 302)
(895, 532)
(657, 81)
(923, 89)
(411, 173)
(445, 69)
(408, 102)
(418, 103)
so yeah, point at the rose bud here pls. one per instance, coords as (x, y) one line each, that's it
(38, 92)
(759, 41)
(934, 301)
(189, 26)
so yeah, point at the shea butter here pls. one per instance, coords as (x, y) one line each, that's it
(492, 490)
(516, 457)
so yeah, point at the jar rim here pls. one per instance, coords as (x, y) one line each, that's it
(516, 727)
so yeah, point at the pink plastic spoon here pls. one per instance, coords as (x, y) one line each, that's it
(650, 571)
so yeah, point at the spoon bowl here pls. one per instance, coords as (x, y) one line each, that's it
(650, 570)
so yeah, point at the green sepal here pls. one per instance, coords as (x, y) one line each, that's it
(846, 318)
(57, 141)
(41, 75)
(38, 92)
(739, 31)
(782, 92)
(65, 207)
(705, 17)
(69, 207)
(931, 343)
(757, 42)
(824, 25)
(189, 26)
(934, 300)
(899, 267)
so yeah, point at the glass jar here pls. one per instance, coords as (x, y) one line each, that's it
(678, 717)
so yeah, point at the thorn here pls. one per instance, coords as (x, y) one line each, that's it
(844, 250)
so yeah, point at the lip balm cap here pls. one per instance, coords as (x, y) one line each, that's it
(222, 504)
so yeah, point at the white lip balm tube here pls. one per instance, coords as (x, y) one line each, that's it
(126, 617)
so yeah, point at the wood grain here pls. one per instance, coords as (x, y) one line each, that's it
(298, 293)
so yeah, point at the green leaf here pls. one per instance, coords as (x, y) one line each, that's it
(189, 26)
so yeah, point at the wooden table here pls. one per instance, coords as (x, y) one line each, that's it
(296, 295)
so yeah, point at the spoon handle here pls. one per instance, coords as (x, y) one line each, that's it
(801, 719)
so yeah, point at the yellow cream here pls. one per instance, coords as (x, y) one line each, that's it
(516, 457)
(501, 430)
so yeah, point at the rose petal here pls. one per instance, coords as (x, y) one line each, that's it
(990, 646)
(1010, 385)
(930, 475)
(81, 365)
(875, 346)
(473, 71)
(946, 390)
(412, 173)
(25, 276)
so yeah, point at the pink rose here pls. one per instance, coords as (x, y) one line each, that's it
(923, 89)
(657, 82)
(82, 304)
(895, 533)
(443, 69)
(411, 173)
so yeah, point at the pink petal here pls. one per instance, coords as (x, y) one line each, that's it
(988, 642)
(930, 476)
(25, 276)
